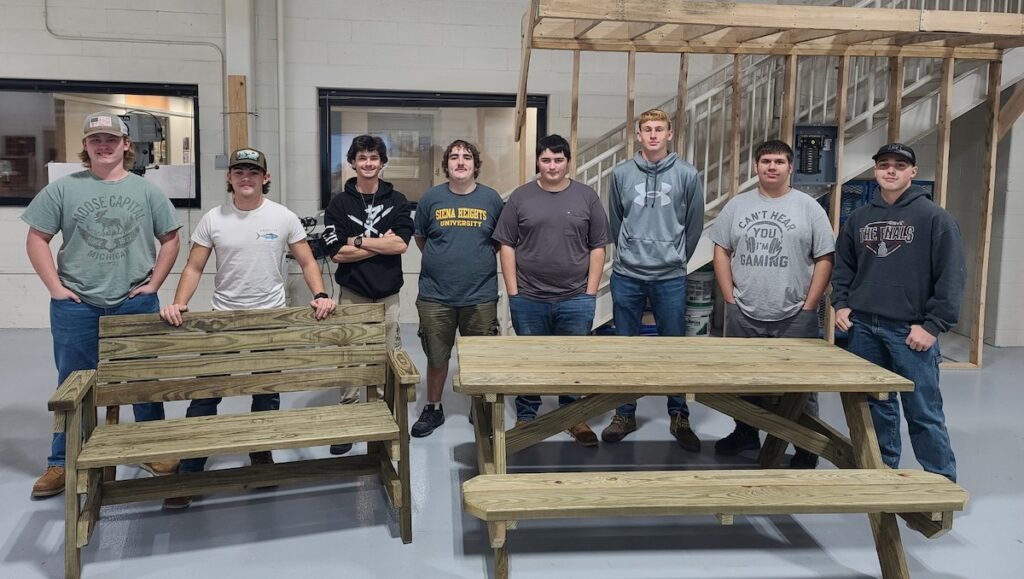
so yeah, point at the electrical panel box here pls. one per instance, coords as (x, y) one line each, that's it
(814, 161)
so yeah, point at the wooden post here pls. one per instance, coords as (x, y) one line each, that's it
(526, 35)
(944, 129)
(985, 228)
(630, 103)
(895, 98)
(734, 137)
(574, 120)
(1012, 109)
(788, 125)
(835, 204)
(238, 112)
(681, 104)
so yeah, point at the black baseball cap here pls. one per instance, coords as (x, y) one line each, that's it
(899, 150)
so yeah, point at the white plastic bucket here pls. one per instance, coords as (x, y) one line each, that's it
(698, 320)
(700, 288)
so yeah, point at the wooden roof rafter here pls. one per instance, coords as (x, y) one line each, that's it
(683, 26)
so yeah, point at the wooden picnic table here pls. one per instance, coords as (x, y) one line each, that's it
(609, 371)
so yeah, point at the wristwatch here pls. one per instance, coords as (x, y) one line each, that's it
(358, 242)
(321, 295)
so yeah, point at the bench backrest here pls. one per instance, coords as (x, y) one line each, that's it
(219, 354)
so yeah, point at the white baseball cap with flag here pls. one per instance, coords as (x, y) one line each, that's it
(106, 123)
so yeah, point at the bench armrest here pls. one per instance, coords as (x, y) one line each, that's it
(401, 364)
(71, 392)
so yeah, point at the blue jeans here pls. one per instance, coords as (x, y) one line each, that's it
(571, 317)
(668, 303)
(208, 407)
(882, 341)
(76, 329)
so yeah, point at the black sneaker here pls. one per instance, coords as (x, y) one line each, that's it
(742, 438)
(337, 449)
(430, 419)
(803, 459)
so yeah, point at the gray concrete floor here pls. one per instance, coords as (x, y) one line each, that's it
(347, 530)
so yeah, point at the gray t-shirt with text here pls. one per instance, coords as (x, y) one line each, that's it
(553, 235)
(459, 267)
(774, 242)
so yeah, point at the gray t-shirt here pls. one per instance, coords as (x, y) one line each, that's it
(458, 268)
(774, 243)
(553, 235)
(109, 230)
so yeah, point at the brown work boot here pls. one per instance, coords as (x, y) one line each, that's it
(160, 468)
(583, 435)
(177, 503)
(521, 422)
(621, 426)
(680, 428)
(50, 483)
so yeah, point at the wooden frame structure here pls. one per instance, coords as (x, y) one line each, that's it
(683, 27)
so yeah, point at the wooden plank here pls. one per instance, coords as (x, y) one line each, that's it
(988, 23)
(842, 82)
(403, 367)
(736, 110)
(945, 131)
(70, 393)
(482, 435)
(681, 103)
(161, 440)
(401, 412)
(574, 115)
(1011, 110)
(216, 364)
(888, 543)
(985, 219)
(390, 479)
(143, 324)
(840, 442)
(91, 511)
(787, 127)
(238, 478)
(238, 385)
(791, 407)
(238, 112)
(630, 103)
(526, 35)
(802, 49)
(220, 342)
(522, 437)
(526, 496)
(896, 72)
(498, 435)
(72, 504)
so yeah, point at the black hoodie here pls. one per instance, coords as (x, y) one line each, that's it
(903, 261)
(381, 275)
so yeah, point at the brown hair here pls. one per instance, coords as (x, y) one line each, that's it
(129, 156)
(467, 146)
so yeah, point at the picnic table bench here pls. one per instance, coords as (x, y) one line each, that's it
(609, 371)
(236, 353)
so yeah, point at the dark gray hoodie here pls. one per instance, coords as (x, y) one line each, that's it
(903, 261)
(656, 212)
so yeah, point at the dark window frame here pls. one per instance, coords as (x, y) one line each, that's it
(328, 97)
(105, 87)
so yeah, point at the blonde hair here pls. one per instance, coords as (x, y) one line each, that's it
(653, 115)
(129, 157)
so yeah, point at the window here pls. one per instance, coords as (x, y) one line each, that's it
(417, 127)
(41, 133)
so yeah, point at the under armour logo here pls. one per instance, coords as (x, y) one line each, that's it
(374, 214)
(643, 194)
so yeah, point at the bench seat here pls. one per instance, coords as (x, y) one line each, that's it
(159, 440)
(525, 496)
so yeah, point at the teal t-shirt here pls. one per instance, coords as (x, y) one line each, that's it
(459, 266)
(109, 230)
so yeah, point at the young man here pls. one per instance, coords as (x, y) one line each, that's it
(368, 227)
(656, 209)
(108, 262)
(773, 258)
(898, 282)
(552, 232)
(458, 276)
(250, 236)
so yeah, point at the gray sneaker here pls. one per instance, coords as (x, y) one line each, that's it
(620, 427)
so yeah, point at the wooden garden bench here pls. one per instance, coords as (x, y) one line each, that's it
(220, 354)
